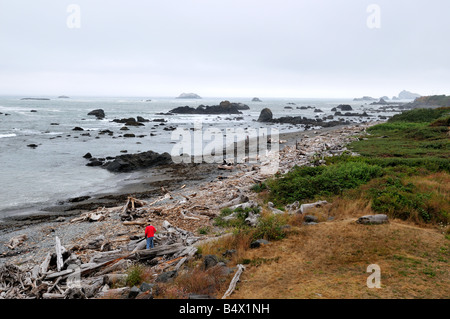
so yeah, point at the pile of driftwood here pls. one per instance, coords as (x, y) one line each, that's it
(73, 273)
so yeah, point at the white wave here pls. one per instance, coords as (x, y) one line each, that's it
(7, 135)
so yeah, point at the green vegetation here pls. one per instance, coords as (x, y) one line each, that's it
(434, 100)
(239, 217)
(270, 227)
(322, 181)
(422, 115)
(135, 275)
(403, 170)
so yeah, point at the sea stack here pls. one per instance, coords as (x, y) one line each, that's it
(265, 115)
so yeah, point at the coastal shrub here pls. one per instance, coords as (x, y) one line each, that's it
(259, 187)
(309, 182)
(135, 275)
(444, 121)
(204, 230)
(270, 227)
(420, 115)
(420, 199)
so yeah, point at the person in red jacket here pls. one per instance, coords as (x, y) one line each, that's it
(149, 234)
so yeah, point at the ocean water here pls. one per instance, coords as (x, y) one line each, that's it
(55, 170)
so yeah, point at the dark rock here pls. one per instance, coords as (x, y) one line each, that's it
(54, 123)
(310, 218)
(159, 120)
(99, 113)
(33, 111)
(229, 253)
(258, 243)
(224, 108)
(255, 99)
(75, 293)
(129, 135)
(124, 128)
(166, 276)
(210, 261)
(318, 111)
(95, 162)
(131, 121)
(345, 107)
(77, 128)
(32, 145)
(109, 132)
(130, 162)
(146, 287)
(141, 119)
(134, 292)
(265, 115)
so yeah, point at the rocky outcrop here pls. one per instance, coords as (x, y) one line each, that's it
(188, 96)
(406, 95)
(131, 162)
(99, 113)
(131, 121)
(380, 102)
(223, 108)
(265, 115)
(255, 99)
(239, 106)
(345, 107)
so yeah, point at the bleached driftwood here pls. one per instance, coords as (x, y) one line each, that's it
(92, 216)
(58, 250)
(373, 219)
(306, 207)
(16, 241)
(234, 281)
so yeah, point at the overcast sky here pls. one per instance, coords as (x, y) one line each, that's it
(283, 48)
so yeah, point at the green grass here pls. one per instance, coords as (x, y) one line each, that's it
(412, 144)
(323, 181)
(421, 115)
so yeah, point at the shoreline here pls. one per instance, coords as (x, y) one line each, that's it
(147, 184)
(208, 187)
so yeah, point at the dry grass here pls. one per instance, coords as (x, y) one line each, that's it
(330, 260)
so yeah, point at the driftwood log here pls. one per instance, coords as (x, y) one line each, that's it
(234, 281)
(373, 219)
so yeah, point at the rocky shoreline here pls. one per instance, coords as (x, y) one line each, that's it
(185, 203)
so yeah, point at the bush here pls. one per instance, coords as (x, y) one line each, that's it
(270, 227)
(239, 219)
(310, 182)
(135, 275)
(420, 115)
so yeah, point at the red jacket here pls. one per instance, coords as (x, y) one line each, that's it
(150, 231)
